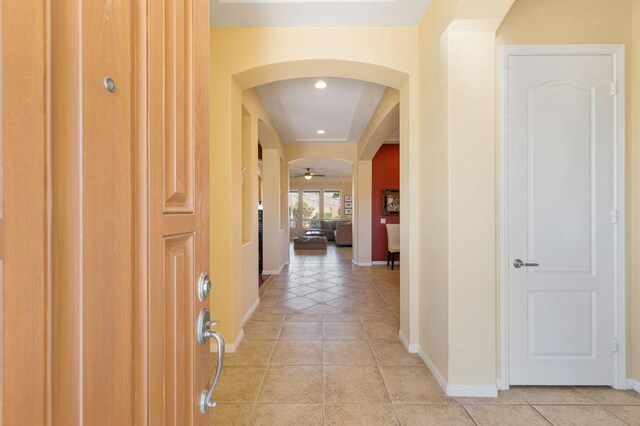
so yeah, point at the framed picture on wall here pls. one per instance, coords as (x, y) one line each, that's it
(348, 205)
(348, 212)
(391, 202)
(347, 198)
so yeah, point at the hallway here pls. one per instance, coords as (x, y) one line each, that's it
(323, 348)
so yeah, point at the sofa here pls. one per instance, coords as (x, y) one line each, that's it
(327, 227)
(343, 234)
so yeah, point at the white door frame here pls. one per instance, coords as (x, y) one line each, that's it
(617, 52)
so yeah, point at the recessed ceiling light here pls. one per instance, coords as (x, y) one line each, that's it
(320, 84)
(321, 132)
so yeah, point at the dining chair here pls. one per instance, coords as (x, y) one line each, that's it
(393, 242)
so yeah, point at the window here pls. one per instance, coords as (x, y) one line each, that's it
(310, 209)
(316, 206)
(294, 206)
(331, 209)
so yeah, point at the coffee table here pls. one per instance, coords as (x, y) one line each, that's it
(310, 243)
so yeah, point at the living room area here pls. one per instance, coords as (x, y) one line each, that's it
(321, 204)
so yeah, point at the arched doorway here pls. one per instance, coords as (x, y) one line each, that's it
(228, 105)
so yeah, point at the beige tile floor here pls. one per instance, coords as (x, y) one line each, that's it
(322, 349)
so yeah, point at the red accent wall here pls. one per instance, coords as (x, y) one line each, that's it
(385, 175)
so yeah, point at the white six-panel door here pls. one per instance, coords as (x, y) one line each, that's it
(560, 145)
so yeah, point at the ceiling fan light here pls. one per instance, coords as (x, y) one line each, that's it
(308, 177)
(320, 84)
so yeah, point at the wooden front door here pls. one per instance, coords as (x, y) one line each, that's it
(178, 99)
(105, 226)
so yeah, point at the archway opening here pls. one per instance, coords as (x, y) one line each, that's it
(261, 75)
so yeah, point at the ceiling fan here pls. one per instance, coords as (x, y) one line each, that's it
(308, 175)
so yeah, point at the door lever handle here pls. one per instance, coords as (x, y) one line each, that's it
(205, 396)
(203, 334)
(519, 264)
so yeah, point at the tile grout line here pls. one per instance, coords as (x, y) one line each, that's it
(377, 363)
(360, 320)
(616, 416)
(264, 377)
(469, 414)
(540, 413)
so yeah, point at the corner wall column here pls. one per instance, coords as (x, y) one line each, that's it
(472, 208)
(362, 223)
(271, 211)
(250, 280)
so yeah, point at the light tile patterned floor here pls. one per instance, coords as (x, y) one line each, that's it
(322, 349)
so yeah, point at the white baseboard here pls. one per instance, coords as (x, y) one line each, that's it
(474, 391)
(501, 386)
(229, 347)
(633, 384)
(434, 370)
(477, 391)
(412, 348)
(264, 272)
(374, 263)
(250, 311)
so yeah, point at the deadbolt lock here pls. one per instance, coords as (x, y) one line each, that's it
(204, 286)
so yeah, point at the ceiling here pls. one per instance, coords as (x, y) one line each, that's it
(299, 110)
(275, 13)
(324, 166)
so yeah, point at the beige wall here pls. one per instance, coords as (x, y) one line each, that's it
(383, 123)
(597, 22)
(457, 296)
(445, 71)
(338, 150)
(362, 224)
(633, 257)
(434, 248)
(240, 194)
(271, 213)
(633, 221)
(249, 288)
(458, 75)
(284, 210)
(272, 185)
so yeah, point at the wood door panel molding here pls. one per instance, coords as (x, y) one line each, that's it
(179, 284)
(177, 224)
(178, 82)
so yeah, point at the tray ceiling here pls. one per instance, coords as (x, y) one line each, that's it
(338, 113)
